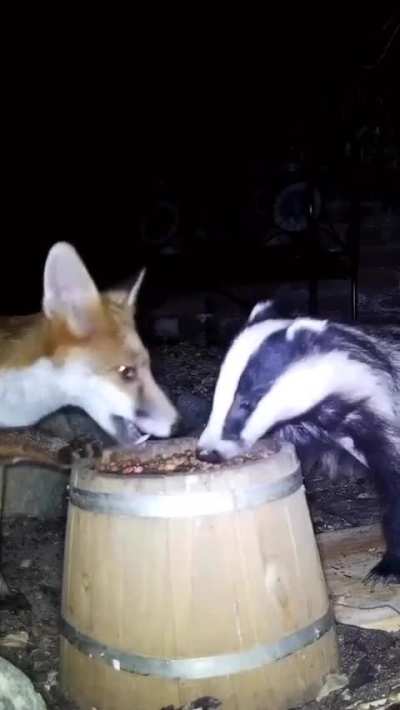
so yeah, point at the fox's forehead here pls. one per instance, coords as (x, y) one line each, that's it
(121, 334)
(113, 341)
(104, 352)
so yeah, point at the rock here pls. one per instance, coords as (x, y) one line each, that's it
(57, 424)
(71, 423)
(35, 491)
(16, 690)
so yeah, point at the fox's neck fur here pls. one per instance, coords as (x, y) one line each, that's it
(31, 383)
(36, 378)
(23, 341)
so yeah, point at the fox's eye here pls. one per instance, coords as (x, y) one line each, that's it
(127, 372)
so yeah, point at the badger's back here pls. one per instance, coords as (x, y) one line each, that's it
(386, 340)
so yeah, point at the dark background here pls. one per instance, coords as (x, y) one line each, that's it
(102, 116)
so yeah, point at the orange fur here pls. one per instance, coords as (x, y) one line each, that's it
(24, 339)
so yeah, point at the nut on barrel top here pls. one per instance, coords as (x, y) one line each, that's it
(172, 457)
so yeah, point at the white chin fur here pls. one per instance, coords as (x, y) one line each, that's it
(153, 427)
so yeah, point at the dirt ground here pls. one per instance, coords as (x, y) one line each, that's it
(33, 552)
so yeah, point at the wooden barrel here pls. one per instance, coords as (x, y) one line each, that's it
(184, 586)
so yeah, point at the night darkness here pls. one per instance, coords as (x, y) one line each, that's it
(240, 157)
(92, 139)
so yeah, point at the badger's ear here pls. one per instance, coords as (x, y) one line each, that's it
(263, 310)
(283, 305)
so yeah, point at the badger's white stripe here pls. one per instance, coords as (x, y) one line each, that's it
(232, 368)
(308, 382)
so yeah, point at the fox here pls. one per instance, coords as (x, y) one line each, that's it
(82, 350)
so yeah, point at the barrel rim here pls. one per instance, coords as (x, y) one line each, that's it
(87, 466)
(187, 504)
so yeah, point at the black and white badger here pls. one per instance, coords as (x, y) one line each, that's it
(327, 388)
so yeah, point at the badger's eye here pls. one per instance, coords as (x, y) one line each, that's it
(127, 372)
(245, 405)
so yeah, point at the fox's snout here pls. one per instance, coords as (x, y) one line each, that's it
(154, 414)
(127, 413)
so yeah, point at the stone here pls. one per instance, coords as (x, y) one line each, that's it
(71, 423)
(34, 491)
(16, 690)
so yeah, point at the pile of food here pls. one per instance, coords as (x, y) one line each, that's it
(168, 463)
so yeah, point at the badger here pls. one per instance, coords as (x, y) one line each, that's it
(330, 389)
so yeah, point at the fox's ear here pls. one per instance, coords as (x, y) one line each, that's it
(133, 294)
(69, 291)
(126, 296)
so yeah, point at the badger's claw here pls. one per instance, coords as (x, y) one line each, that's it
(387, 571)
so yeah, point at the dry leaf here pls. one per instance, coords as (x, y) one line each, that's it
(17, 640)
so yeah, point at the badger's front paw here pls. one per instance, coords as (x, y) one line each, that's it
(387, 571)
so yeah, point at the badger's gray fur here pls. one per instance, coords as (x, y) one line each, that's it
(333, 390)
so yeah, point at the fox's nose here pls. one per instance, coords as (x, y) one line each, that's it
(209, 455)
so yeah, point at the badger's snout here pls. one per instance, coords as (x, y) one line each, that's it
(212, 451)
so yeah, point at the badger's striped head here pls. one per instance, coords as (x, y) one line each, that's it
(262, 381)
(309, 379)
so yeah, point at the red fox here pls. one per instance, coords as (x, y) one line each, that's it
(82, 350)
